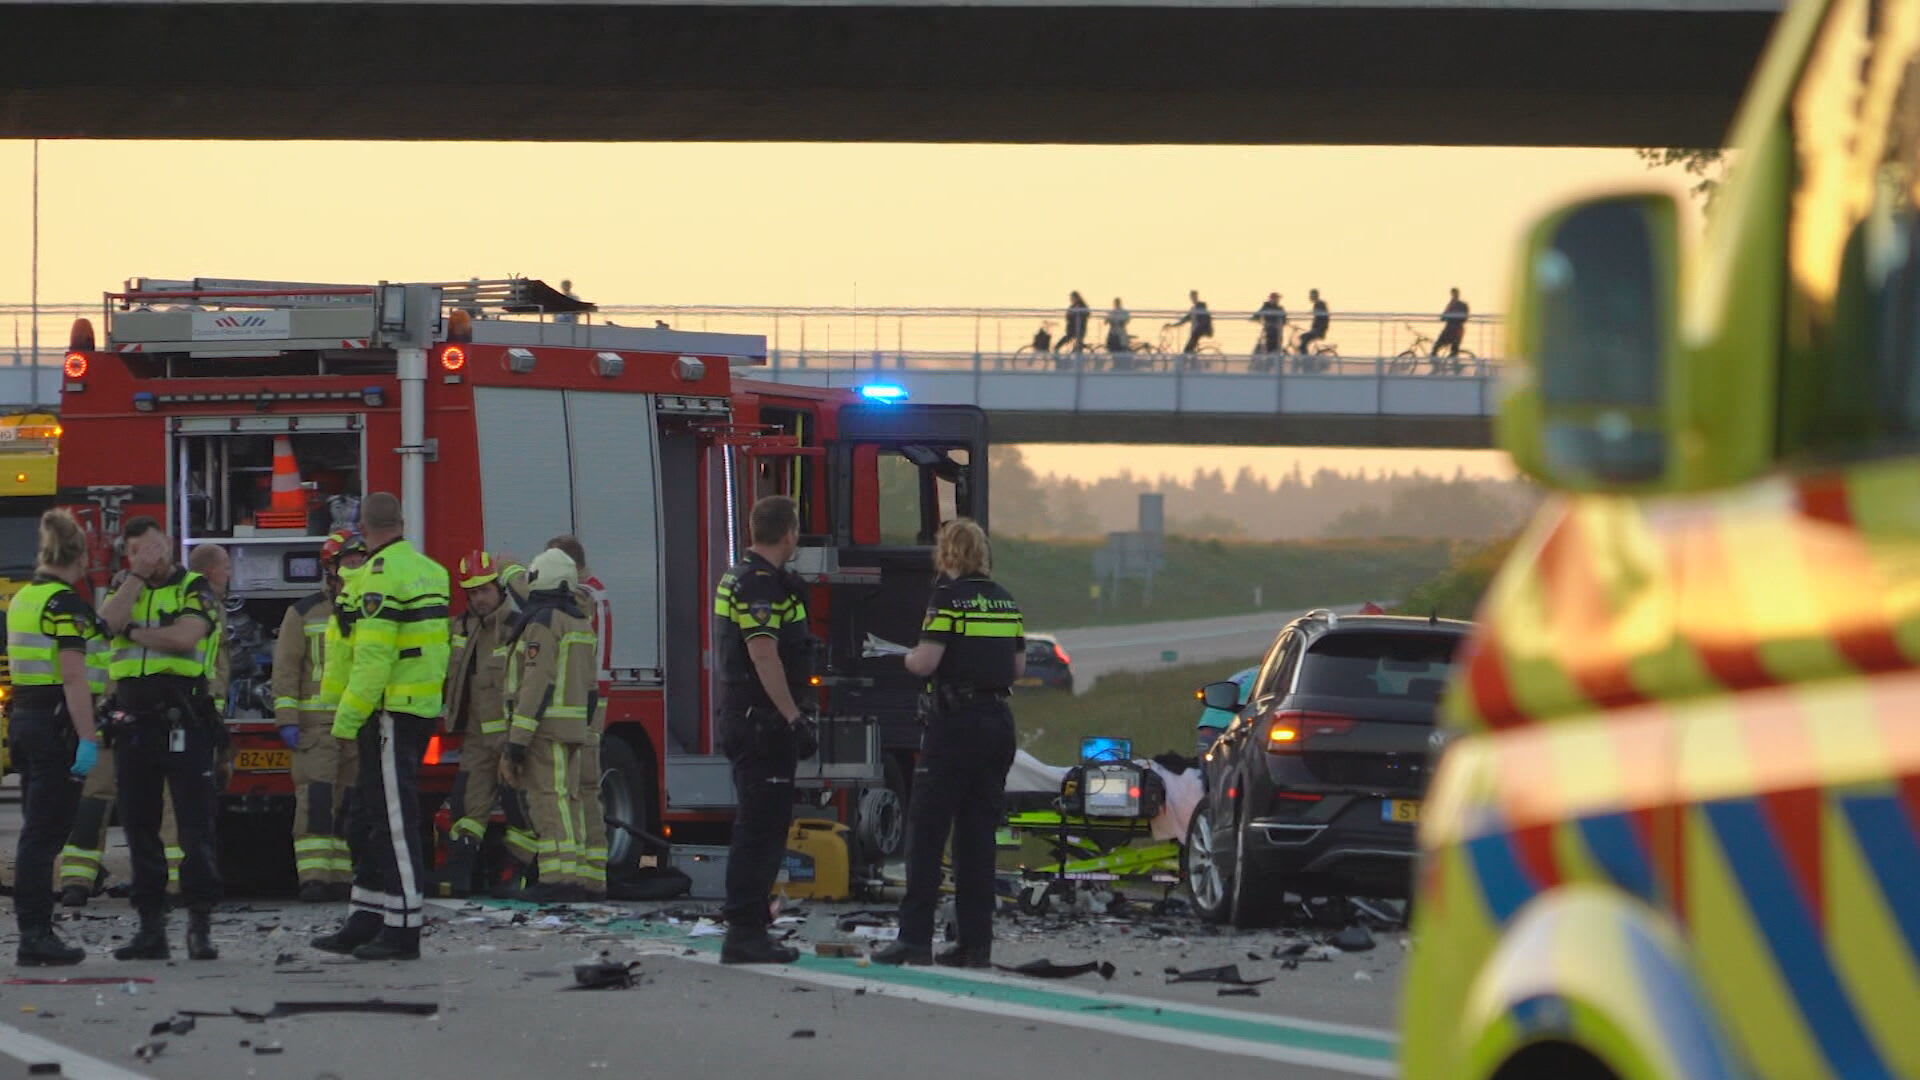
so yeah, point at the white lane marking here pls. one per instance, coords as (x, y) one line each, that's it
(74, 1065)
(1218, 1044)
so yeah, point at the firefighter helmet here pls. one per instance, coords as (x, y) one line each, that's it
(552, 569)
(339, 544)
(478, 568)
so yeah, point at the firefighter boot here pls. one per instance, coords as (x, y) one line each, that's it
(360, 928)
(75, 895)
(41, 947)
(391, 944)
(200, 936)
(456, 874)
(751, 945)
(150, 943)
(512, 879)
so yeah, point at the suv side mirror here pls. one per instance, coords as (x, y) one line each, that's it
(1221, 695)
(1596, 404)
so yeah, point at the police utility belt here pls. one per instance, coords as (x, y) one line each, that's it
(175, 702)
(944, 696)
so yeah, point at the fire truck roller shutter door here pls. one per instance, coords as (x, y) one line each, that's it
(616, 514)
(526, 478)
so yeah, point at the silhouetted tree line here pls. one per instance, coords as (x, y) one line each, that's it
(1324, 504)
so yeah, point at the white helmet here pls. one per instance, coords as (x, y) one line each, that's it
(552, 569)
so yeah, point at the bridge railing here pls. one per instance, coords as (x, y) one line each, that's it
(873, 366)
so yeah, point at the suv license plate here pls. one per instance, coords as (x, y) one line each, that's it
(1406, 811)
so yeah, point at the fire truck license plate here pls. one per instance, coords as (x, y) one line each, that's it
(1401, 810)
(263, 760)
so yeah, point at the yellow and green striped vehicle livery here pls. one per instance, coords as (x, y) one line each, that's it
(1674, 832)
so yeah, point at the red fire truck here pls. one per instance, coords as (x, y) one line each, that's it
(504, 413)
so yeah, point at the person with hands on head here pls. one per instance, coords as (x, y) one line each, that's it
(972, 647)
(51, 633)
(323, 766)
(394, 616)
(551, 697)
(760, 631)
(160, 617)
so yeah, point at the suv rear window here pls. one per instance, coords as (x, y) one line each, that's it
(1379, 664)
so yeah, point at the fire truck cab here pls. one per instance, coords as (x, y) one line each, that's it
(504, 413)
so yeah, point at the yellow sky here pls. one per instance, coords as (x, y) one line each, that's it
(802, 224)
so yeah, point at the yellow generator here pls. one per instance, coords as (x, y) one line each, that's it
(819, 863)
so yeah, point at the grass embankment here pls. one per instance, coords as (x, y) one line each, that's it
(1156, 710)
(1456, 592)
(1211, 578)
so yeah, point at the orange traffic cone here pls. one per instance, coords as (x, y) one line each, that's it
(289, 505)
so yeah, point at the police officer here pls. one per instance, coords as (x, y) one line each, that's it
(551, 698)
(160, 618)
(476, 711)
(973, 647)
(323, 766)
(57, 647)
(395, 649)
(764, 650)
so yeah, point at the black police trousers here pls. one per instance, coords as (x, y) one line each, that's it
(759, 745)
(389, 869)
(43, 744)
(959, 787)
(148, 767)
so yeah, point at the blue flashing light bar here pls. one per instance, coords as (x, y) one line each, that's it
(883, 392)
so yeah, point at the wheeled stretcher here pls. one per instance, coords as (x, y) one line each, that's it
(1097, 834)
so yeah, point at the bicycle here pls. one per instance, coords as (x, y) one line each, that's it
(1172, 346)
(1323, 356)
(1408, 361)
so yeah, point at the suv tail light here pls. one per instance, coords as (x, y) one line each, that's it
(1291, 727)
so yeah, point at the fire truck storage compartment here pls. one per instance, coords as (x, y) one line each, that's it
(586, 463)
(222, 473)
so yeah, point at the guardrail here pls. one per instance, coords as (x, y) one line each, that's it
(878, 365)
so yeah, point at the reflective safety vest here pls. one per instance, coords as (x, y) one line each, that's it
(184, 595)
(398, 635)
(213, 649)
(299, 662)
(45, 617)
(552, 672)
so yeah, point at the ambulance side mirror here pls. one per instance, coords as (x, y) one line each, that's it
(1595, 395)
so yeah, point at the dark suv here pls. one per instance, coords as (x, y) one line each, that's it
(1315, 787)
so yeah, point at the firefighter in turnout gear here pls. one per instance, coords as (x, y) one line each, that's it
(760, 632)
(323, 767)
(170, 743)
(551, 695)
(476, 711)
(599, 606)
(395, 647)
(57, 649)
(972, 647)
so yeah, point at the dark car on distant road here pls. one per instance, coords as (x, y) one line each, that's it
(1048, 665)
(1315, 787)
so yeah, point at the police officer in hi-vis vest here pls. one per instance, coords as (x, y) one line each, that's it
(57, 648)
(171, 739)
(972, 646)
(393, 614)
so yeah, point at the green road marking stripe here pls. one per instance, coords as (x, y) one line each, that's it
(1118, 1009)
(1276, 1032)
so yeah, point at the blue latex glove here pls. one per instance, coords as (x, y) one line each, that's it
(290, 734)
(85, 757)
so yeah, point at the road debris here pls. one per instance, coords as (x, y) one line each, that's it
(179, 1025)
(1047, 969)
(845, 950)
(147, 1051)
(372, 1005)
(604, 974)
(1226, 973)
(1239, 991)
(802, 1033)
(1355, 938)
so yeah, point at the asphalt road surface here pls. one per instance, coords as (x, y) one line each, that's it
(1102, 650)
(497, 974)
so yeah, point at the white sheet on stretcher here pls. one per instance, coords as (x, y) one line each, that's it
(1184, 790)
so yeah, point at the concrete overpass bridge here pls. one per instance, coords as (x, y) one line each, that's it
(1458, 72)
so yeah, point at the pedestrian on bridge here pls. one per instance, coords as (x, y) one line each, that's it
(1076, 331)
(1200, 319)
